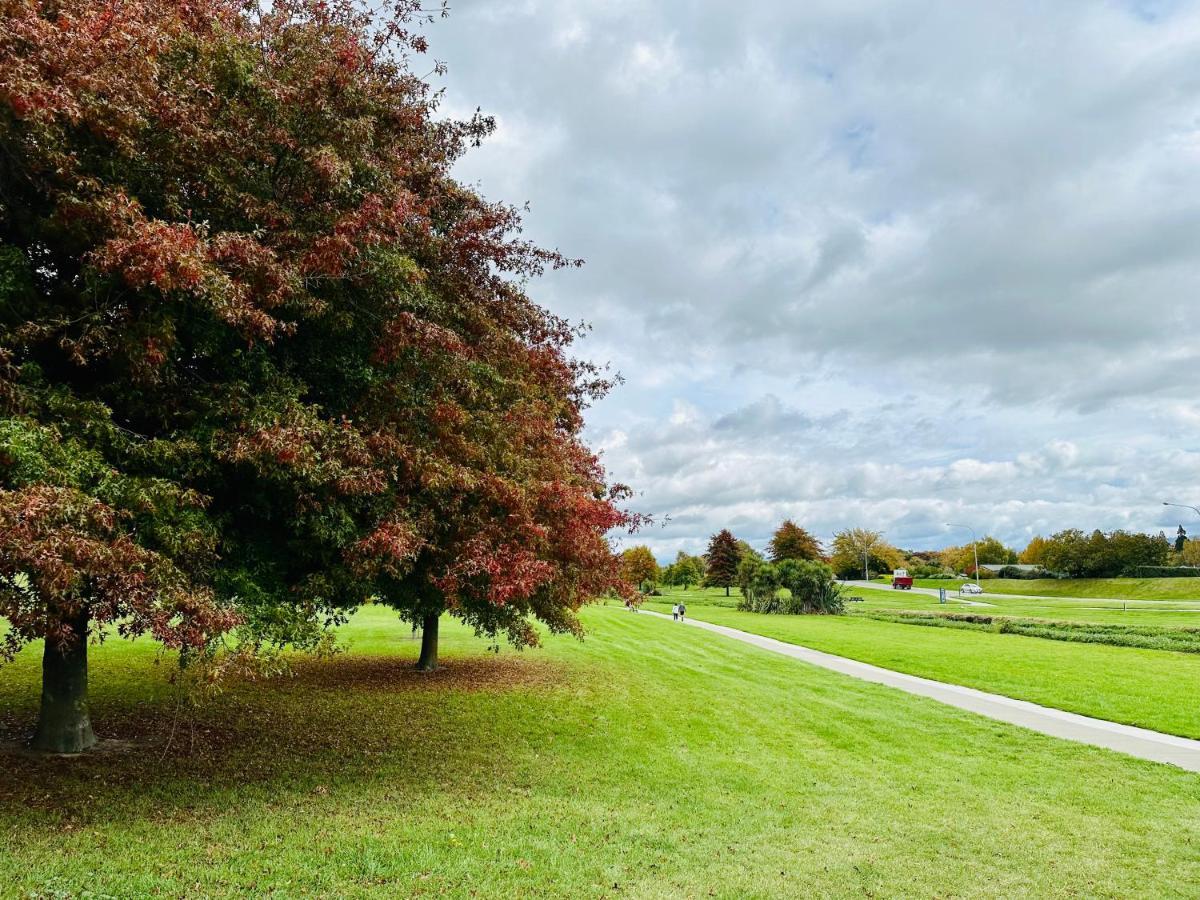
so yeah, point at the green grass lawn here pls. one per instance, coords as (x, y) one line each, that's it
(1132, 612)
(649, 761)
(1098, 588)
(1155, 689)
(1126, 612)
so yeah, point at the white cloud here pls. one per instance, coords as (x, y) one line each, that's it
(648, 65)
(872, 262)
(570, 35)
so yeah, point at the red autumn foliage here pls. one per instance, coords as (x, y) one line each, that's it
(248, 258)
(63, 553)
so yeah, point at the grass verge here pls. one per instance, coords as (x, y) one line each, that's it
(1093, 588)
(1184, 640)
(649, 761)
(1115, 612)
(1154, 689)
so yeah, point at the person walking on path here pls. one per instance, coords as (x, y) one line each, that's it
(681, 609)
(675, 611)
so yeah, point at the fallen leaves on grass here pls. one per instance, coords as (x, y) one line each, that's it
(386, 673)
(334, 719)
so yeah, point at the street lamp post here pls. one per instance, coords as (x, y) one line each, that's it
(1194, 509)
(974, 544)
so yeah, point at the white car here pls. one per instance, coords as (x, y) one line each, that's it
(970, 588)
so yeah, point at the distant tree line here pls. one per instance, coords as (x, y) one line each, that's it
(795, 565)
(797, 574)
(1077, 554)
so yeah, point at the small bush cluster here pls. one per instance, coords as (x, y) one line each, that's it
(811, 588)
(1150, 637)
(1022, 574)
(926, 570)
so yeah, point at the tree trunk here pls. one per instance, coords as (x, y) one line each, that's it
(429, 644)
(64, 725)
(726, 590)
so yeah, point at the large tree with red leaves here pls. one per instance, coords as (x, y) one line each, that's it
(722, 560)
(261, 358)
(790, 541)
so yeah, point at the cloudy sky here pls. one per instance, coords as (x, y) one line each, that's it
(883, 264)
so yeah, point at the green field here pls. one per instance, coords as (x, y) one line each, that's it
(1120, 612)
(1132, 612)
(1096, 588)
(649, 761)
(1150, 688)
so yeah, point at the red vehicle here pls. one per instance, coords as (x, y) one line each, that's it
(901, 580)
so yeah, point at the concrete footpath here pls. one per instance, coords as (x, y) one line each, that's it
(1140, 742)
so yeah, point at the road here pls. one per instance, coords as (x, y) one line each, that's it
(951, 592)
(952, 597)
(1139, 742)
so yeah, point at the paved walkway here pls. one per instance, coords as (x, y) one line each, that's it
(1140, 742)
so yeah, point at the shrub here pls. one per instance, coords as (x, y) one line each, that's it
(762, 589)
(1014, 572)
(811, 588)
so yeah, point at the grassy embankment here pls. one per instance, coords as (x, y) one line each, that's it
(649, 761)
(1150, 688)
(1129, 612)
(1094, 588)
(1149, 637)
(1114, 612)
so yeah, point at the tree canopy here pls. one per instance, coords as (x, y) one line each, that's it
(685, 571)
(722, 560)
(990, 550)
(1034, 552)
(790, 541)
(638, 566)
(747, 566)
(261, 357)
(1102, 554)
(852, 545)
(1189, 555)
